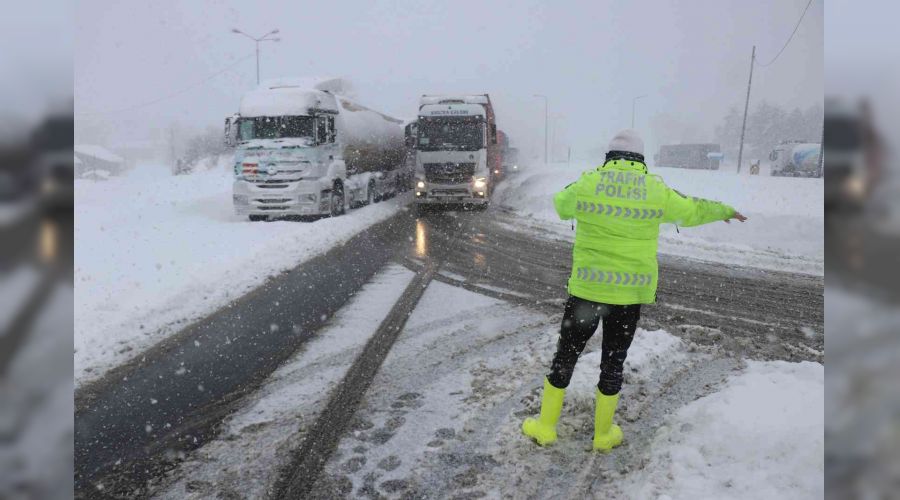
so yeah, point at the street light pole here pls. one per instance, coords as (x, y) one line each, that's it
(256, 40)
(633, 103)
(546, 129)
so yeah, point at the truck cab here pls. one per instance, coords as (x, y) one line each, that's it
(456, 150)
(308, 152)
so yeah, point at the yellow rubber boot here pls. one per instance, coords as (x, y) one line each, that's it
(607, 435)
(543, 429)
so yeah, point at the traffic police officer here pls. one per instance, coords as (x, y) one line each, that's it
(619, 207)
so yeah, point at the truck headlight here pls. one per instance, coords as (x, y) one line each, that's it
(420, 184)
(855, 186)
(480, 183)
(308, 198)
(240, 199)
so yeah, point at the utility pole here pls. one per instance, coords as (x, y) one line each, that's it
(633, 103)
(746, 107)
(822, 150)
(546, 129)
(256, 40)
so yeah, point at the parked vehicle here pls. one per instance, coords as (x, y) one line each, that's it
(55, 163)
(457, 151)
(795, 159)
(854, 154)
(306, 149)
(696, 156)
(511, 161)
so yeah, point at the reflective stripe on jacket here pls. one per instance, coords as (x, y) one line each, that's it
(619, 208)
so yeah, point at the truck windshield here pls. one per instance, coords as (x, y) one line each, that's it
(842, 134)
(451, 133)
(276, 127)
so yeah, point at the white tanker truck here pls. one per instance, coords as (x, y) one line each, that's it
(303, 149)
(796, 159)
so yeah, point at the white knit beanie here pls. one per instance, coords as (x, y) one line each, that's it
(627, 140)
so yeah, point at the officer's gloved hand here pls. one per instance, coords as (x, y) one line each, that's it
(737, 215)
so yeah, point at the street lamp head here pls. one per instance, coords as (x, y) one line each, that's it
(235, 30)
(273, 32)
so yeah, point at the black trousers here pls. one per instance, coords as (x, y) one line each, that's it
(579, 323)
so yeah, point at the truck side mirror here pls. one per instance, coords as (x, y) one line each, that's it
(493, 133)
(773, 155)
(231, 130)
(228, 141)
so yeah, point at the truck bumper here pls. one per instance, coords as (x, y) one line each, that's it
(460, 194)
(297, 198)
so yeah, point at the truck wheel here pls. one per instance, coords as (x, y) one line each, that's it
(258, 218)
(337, 200)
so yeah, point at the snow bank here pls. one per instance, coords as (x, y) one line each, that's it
(761, 436)
(99, 152)
(784, 232)
(154, 251)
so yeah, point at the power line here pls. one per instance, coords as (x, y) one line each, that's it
(789, 38)
(168, 96)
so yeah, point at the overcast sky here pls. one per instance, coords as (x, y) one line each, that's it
(35, 60)
(591, 58)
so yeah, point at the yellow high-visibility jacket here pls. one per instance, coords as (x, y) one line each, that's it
(619, 208)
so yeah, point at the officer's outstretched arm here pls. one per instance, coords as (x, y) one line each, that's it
(564, 202)
(689, 211)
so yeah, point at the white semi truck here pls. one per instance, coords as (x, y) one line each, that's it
(456, 150)
(303, 149)
(796, 159)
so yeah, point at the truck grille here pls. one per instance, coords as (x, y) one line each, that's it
(449, 173)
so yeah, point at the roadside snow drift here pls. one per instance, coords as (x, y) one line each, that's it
(154, 251)
(784, 230)
(761, 436)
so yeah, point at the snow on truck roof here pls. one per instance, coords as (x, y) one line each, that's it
(340, 86)
(285, 101)
(454, 99)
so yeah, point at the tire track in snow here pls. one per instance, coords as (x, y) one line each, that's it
(301, 475)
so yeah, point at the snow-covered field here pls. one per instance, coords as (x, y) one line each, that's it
(154, 251)
(784, 230)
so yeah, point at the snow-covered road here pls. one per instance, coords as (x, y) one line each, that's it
(441, 416)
